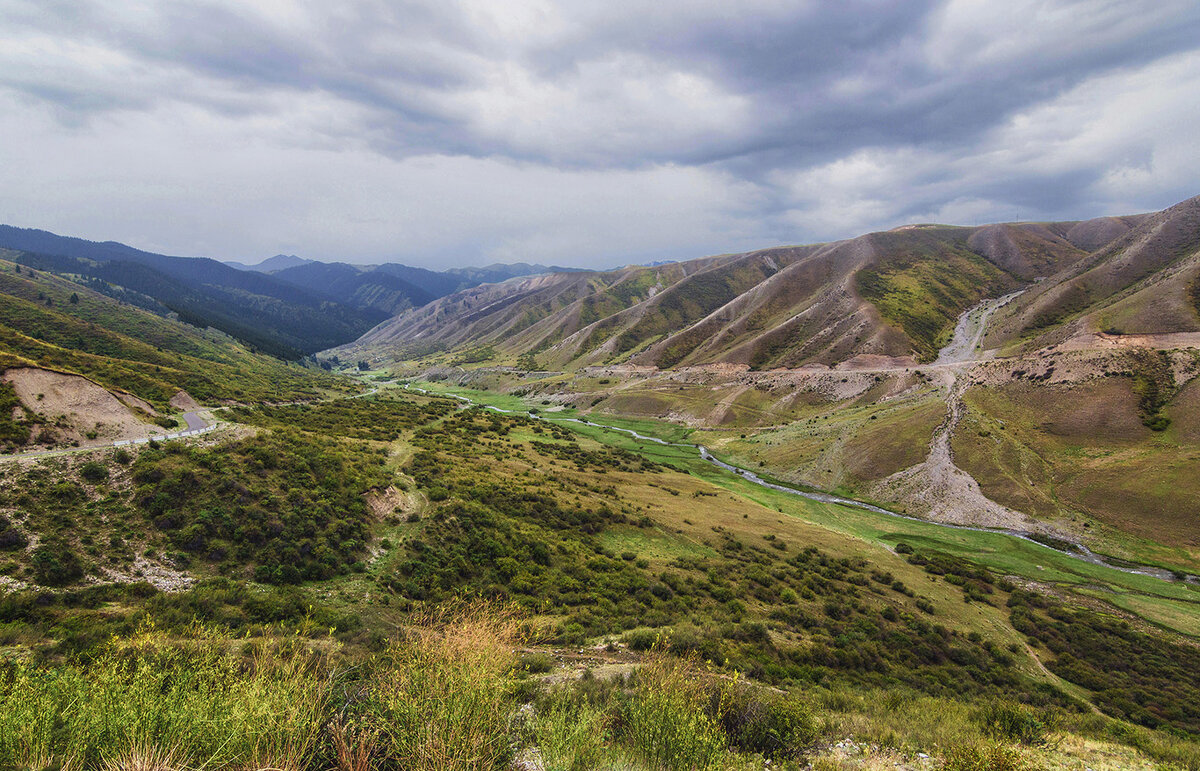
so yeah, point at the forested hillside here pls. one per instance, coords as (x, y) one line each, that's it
(273, 316)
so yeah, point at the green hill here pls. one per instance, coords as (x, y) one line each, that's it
(51, 322)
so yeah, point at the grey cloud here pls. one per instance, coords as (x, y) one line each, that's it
(795, 65)
(761, 98)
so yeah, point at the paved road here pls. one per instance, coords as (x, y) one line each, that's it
(195, 420)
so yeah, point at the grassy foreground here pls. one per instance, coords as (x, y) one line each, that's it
(694, 625)
(454, 692)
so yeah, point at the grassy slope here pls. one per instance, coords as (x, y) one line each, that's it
(166, 487)
(1080, 454)
(1069, 454)
(129, 349)
(695, 511)
(928, 278)
(838, 449)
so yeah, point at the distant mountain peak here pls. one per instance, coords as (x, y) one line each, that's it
(272, 264)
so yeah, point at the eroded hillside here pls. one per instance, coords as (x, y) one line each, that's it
(896, 293)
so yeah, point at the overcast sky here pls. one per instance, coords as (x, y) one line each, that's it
(583, 133)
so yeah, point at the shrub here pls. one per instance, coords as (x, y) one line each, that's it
(641, 639)
(56, 564)
(1012, 722)
(983, 757)
(537, 663)
(93, 472)
(11, 537)
(778, 726)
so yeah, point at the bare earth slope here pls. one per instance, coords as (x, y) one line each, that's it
(1140, 283)
(73, 408)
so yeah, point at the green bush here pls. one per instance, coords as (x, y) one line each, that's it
(93, 472)
(983, 757)
(56, 564)
(641, 639)
(775, 725)
(1011, 722)
(537, 663)
(11, 537)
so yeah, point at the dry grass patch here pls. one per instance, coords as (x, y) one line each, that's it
(442, 699)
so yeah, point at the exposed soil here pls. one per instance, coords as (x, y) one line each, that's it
(941, 491)
(1103, 342)
(163, 578)
(184, 402)
(137, 404)
(76, 406)
(382, 503)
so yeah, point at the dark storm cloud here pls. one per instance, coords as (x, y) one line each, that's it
(758, 121)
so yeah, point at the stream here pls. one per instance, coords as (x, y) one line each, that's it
(1079, 551)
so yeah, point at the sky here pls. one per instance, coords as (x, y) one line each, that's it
(588, 133)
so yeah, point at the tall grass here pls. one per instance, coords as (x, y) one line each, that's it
(984, 756)
(443, 698)
(149, 702)
(572, 736)
(446, 698)
(667, 722)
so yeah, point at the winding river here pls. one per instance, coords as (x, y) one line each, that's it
(1079, 551)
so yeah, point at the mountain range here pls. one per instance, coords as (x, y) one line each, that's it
(286, 306)
(895, 294)
(271, 264)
